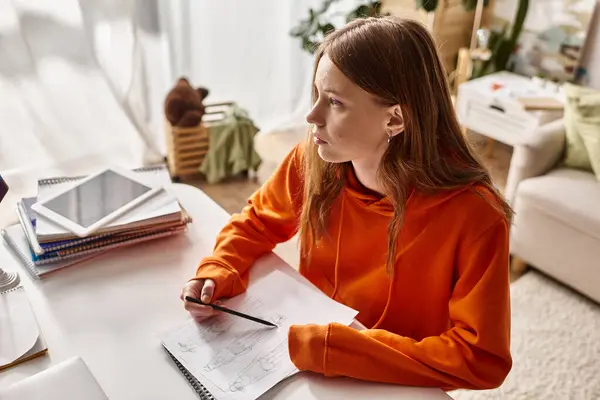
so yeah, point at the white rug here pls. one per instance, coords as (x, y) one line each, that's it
(555, 344)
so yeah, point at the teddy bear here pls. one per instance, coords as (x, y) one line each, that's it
(183, 104)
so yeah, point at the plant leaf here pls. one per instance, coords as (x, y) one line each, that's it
(309, 46)
(327, 28)
(427, 5)
(363, 11)
(299, 29)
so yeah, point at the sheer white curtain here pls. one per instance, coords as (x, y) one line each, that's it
(82, 82)
(242, 51)
(60, 113)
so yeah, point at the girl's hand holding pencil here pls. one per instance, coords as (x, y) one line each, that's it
(202, 289)
(197, 296)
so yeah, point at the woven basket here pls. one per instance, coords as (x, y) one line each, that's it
(187, 147)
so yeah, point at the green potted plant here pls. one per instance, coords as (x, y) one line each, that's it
(503, 44)
(313, 29)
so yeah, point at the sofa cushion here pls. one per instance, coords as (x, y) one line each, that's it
(582, 125)
(569, 195)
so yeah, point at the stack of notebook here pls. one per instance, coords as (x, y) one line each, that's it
(44, 247)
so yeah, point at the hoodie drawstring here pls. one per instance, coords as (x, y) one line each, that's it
(387, 303)
(337, 252)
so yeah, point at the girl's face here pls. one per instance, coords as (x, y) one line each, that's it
(349, 124)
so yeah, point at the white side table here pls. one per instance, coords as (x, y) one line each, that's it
(496, 113)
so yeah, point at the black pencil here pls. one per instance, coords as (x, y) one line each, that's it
(232, 312)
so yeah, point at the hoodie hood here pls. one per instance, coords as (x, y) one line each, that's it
(417, 201)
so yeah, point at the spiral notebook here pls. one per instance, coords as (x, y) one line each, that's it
(200, 390)
(113, 241)
(80, 246)
(16, 240)
(162, 208)
(27, 219)
(237, 359)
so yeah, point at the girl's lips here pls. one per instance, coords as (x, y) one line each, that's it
(319, 141)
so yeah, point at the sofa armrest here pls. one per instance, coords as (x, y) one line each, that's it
(535, 157)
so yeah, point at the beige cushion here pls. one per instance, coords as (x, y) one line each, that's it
(569, 195)
(582, 125)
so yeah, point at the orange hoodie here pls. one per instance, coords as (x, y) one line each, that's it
(442, 319)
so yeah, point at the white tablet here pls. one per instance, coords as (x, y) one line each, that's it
(94, 201)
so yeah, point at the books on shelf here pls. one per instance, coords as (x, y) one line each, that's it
(44, 246)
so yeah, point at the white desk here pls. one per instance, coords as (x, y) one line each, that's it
(110, 311)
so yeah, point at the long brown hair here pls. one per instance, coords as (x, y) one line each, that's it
(397, 61)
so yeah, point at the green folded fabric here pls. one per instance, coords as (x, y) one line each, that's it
(582, 128)
(231, 146)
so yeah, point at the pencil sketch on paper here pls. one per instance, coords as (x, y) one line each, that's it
(241, 345)
(278, 319)
(214, 327)
(207, 331)
(187, 347)
(261, 366)
(240, 359)
(250, 305)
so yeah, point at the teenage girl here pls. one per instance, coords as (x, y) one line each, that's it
(396, 217)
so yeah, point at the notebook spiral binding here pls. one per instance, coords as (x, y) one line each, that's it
(29, 265)
(196, 385)
(104, 244)
(27, 262)
(18, 287)
(62, 179)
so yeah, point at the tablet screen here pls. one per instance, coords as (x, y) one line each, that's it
(93, 200)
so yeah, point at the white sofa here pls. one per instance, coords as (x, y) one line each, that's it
(557, 212)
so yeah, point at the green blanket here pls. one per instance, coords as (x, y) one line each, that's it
(231, 146)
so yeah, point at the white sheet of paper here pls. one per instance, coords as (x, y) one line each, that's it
(238, 359)
(18, 326)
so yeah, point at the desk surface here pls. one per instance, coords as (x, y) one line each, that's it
(111, 310)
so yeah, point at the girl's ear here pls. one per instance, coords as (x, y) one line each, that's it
(395, 124)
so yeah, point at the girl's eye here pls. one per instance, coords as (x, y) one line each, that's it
(334, 102)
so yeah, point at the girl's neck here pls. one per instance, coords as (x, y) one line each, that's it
(366, 174)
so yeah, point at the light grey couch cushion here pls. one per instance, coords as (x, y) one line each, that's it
(569, 195)
(557, 228)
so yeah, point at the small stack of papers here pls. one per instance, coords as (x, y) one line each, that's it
(45, 246)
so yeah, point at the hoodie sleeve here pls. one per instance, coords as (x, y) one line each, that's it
(474, 353)
(269, 218)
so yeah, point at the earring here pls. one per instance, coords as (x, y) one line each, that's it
(389, 139)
